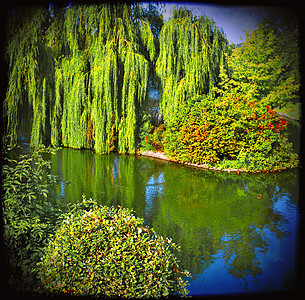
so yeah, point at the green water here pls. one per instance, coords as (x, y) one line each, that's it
(238, 233)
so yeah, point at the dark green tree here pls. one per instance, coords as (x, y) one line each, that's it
(266, 67)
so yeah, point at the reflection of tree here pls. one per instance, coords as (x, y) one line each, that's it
(210, 212)
(110, 179)
(76, 167)
(204, 212)
(240, 253)
(193, 250)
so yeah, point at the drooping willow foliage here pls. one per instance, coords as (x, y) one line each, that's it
(82, 71)
(192, 49)
(31, 78)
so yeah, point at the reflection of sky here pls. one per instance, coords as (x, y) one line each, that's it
(115, 168)
(154, 188)
(278, 264)
(62, 190)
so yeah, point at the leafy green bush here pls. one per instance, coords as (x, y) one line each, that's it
(108, 252)
(153, 140)
(29, 219)
(230, 132)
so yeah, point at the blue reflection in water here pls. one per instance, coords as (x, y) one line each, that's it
(277, 264)
(62, 191)
(232, 241)
(154, 189)
(115, 168)
(153, 193)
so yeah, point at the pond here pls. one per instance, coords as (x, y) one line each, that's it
(238, 233)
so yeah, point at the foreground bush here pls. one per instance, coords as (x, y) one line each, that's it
(230, 132)
(29, 219)
(29, 215)
(108, 252)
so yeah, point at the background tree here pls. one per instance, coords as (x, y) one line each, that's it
(266, 67)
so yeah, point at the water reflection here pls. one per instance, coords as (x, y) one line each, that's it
(235, 231)
(154, 190)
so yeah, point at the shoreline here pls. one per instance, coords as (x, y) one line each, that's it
(288, 117)
(161, 155)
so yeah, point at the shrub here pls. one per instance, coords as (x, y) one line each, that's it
(29, 219)
(154, 139)
(29, 216)
(108, 252)
(230, 133)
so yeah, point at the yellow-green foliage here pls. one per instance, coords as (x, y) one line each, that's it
(85, 79)
(266, 66)
(108, 252)
(30, 78)
(192, 49)
(84, 72)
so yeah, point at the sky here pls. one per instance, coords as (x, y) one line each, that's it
(233, 19)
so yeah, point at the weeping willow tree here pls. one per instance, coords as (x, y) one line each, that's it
(192, 49)
(124, 69)
(31, 65)
(83, 70)
(102, 78)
